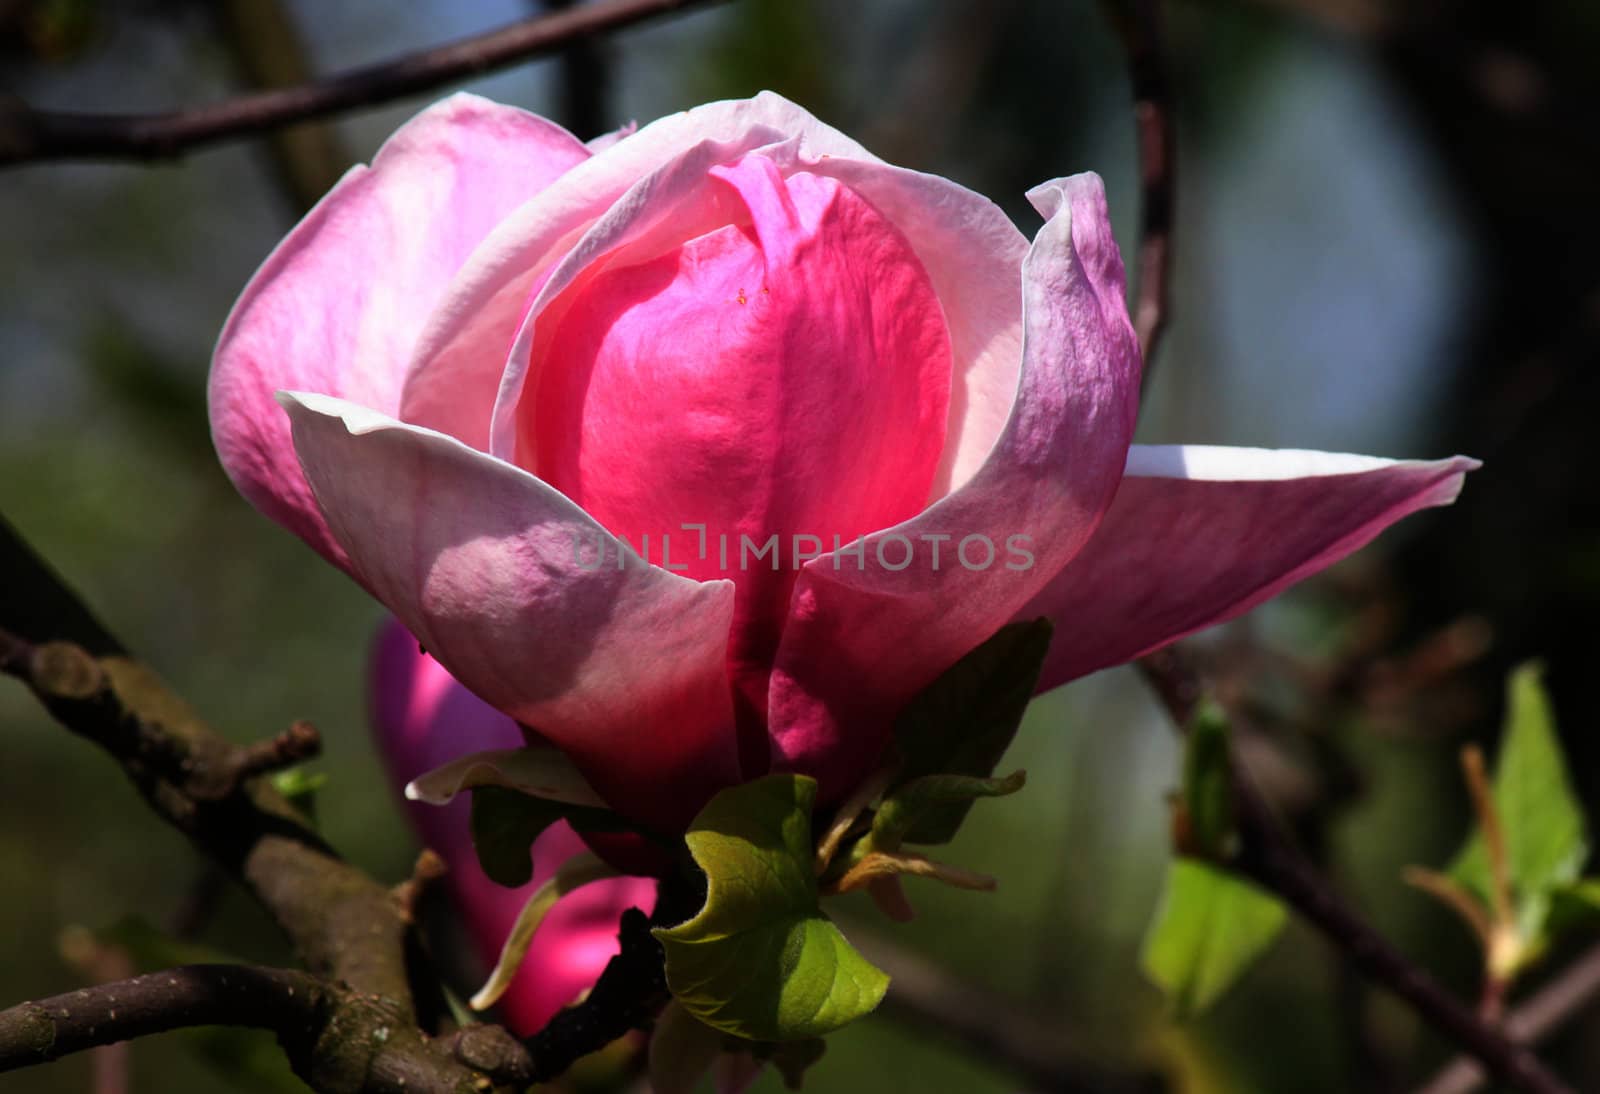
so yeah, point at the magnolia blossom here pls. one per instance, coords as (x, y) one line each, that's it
(536, 397)
(422, 719)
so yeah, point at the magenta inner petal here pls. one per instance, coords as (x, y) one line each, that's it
(786, 374)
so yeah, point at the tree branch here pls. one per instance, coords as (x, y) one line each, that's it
(1144, 39)
(287, 1002)
(335, 1039)
(29, 135)
(348, 929)
(1266, 857)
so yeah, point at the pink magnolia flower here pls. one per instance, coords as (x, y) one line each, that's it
(500, 354)
(423, 719)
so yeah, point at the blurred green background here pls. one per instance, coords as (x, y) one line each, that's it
(1384, 245)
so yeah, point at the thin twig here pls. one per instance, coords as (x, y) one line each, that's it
(263, 37)
(1267, 858)
(29, 135)
(1563, 998)
(1145, 40)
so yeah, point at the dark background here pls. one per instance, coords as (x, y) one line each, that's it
(1386, 240)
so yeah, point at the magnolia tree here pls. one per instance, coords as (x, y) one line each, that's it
(732, 491)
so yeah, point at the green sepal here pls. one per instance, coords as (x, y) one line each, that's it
(505, 823)
(964, 721)
(1540, 815)
(1211, 926)
(516, 794)
(760, 960)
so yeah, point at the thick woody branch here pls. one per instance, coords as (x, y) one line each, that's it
(342, 922)
(29, 135)
(347, 928)
(336, 1040)
(285, 1001)
(1267, 857)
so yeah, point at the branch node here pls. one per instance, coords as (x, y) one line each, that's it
(429, 869)
(62, 670)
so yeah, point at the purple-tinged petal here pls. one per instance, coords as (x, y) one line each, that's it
(504, 581)
(338, 305)
(971, 252)
(864, 636)
(1199, 535)
(422, 718)
(821, 412)
(460, 358)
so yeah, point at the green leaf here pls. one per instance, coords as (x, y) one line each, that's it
(1209, 928)
(1207, 782)
(505, 823)
(962, 723)
(1546, 841)
(298, 783)
(516, 794)
(300, 787)
(760, 960)
(915, 812)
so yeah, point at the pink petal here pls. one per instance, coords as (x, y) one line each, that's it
(621, 667)
(461, 356)
(1199, 535)
(338, 306)
(606, 140)
(864, 637)
(422, 718)
(971, 251)
(784, 374)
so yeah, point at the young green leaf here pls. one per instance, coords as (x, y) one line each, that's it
(962, 723)
(760, 960)
(505, 823)
(1210, 927)
(1544, 826)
